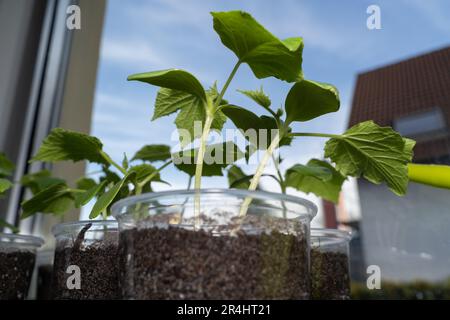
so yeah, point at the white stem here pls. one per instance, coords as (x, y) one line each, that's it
(259, 171)
(199, 168)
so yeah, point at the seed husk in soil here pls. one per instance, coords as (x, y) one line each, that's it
(175, 262)
(98, 266)
(330, 277)
(16, 269)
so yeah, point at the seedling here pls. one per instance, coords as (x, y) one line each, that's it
(366, 150)
(53, 195)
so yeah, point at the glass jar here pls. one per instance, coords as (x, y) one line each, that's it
(214, 244)
(17, 258)
(85, 263)
(330, 264)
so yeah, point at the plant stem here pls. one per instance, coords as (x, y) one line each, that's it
(281, 182)
(199, 168)
(280, 176)
(227, 83)
(259, 171)
(112, 162)
(201, 152)
(321, 135)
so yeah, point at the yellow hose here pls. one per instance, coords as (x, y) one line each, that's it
(433, 175)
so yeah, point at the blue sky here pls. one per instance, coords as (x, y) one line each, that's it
(147, 35)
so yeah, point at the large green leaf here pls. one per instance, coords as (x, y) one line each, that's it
(105, 200)
(376, 153)
(217, 157)
(176, 79)
(318, 177)
(5, 184)
(429, 174)
(39, 181)
(265, 54)
(154, 152)
(6, 166)
(56, 199)
(63, 144)
(253, 126)
(309, 99)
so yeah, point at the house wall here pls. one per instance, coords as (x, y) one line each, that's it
(407, 237)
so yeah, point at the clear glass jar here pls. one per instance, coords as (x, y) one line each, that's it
(194, 245)
(85, 263)
(330, 264)
(17, 258)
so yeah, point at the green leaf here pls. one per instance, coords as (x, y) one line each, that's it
(258, 96)
(155, 152)
(6, 166)
(237, 178)
(144, 170)
(265, 54)
(309, 99)
(105, 200)
(253, 126)
(63, 144)
(56, 199)
(318, 177)
(39, 181)
(110, 175)
(5, 224)
(376, 153)
(5, 185)
(430, 174)
(82, 199)
(175, 79)
(217, 157)
(192, 110)
(86, 183)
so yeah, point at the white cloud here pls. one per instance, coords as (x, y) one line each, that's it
(131, 52)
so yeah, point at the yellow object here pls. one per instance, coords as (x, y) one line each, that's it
(433, 175)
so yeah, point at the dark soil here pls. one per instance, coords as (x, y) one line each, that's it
(177, 263)
(98, 265)
(16, 269)
(330, 275)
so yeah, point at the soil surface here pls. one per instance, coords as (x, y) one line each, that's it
(16, 269)
(173, 262)
(98, 266)
(330, 275)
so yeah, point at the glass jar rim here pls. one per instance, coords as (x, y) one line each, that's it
(331, 233)
(64, 227)
(116, 209)
(21, 239)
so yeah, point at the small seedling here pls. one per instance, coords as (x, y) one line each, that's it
(131, 177)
